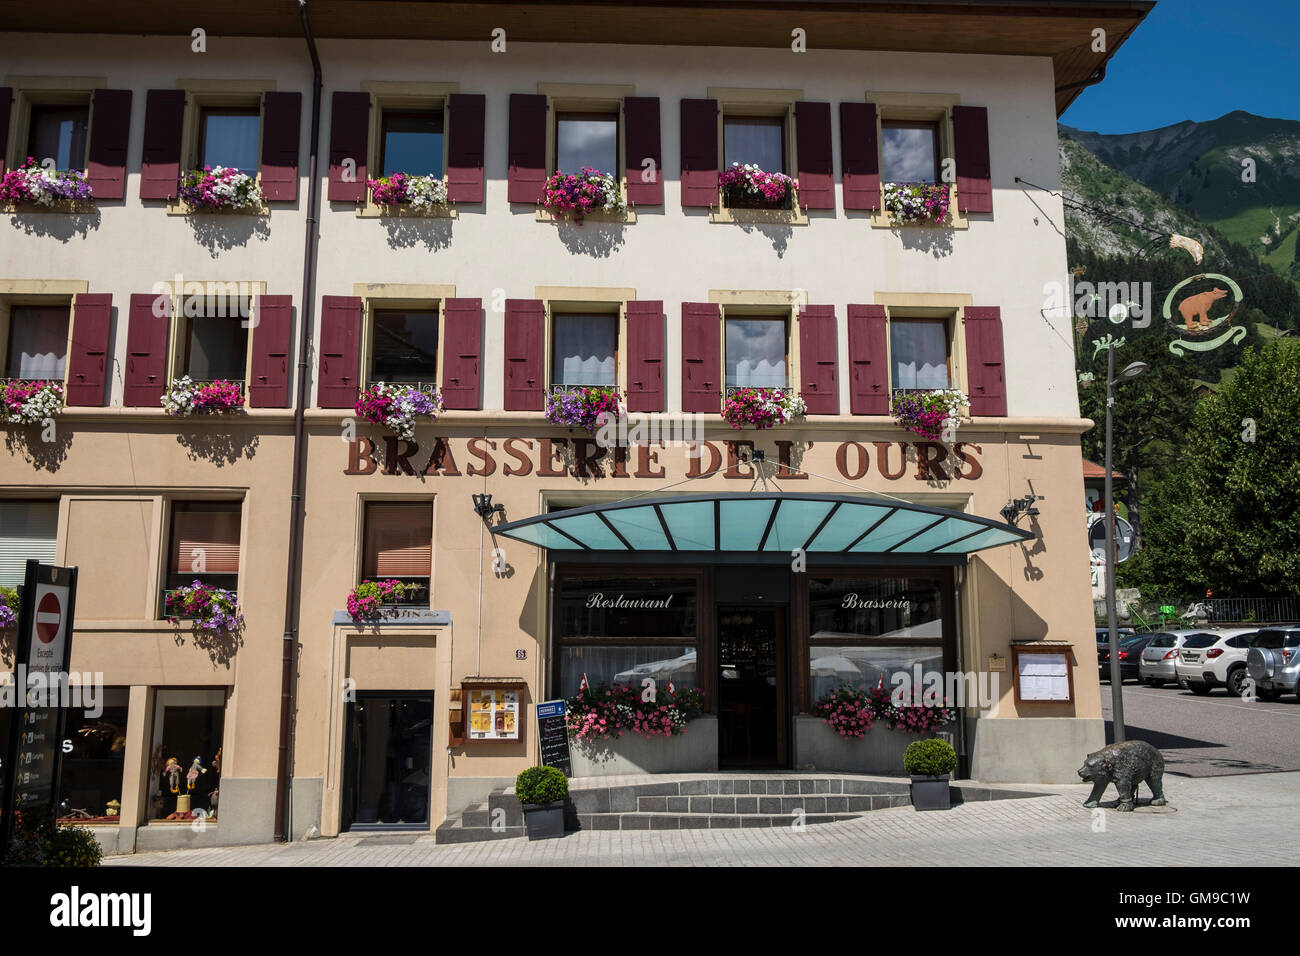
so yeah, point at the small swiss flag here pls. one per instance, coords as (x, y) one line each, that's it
(584, 685)
(672, 691)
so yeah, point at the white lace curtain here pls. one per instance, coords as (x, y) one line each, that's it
(585, 349)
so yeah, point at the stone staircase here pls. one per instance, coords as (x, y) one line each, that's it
(704, 801)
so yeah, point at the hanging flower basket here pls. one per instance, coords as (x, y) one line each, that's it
(917, 203)
(419, 194)
(30, 403)
(748, 187)
(583, 406)
(762, 407)
(212, 609)
(219, 189)
(604, 713)
(399, 407)
(577, 196)
(8, 607)
(928, 414)
(185, 397)
(367, 600)
(30, 183)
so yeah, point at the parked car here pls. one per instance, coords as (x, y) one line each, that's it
(1160, 658)
(1130, 649)
(1273, 662)
(1215, 659)
(1103, 648)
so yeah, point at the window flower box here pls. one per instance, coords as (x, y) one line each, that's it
(399, 407)
(220, 189)
(606, 713)
(580, 195)
(27, 402)
(212, 609)
(917, 203)
(31, 184)
(748, 187)
(928, 414)
(9, 601)
(851, 712)
(581, 406)
(368, 600)
(187, 397)
(762, 407)
(401, 192)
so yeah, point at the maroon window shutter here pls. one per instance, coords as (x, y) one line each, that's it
(701, 357)
(645, 356)
(970, 128)
(340, 351)
(349, 139)
(160, 163)
(860, 156)
(281, 126)
(817, 359)
(642, 142)
(699, 152)
(525, 325)
(465, 147)
(462, 352)
(812, 136)
(984, 366)
(527, 174)
(110, 128)
(92, 314)
(146, 350)
(868, 361)
(272, 331)
(6, 104)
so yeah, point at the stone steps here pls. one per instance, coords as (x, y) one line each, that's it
(701, 821)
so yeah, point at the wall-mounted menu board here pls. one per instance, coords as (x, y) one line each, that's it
(1043, 673)
(493, 714)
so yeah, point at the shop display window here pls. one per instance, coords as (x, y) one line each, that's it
(185, 756)
(90, 782)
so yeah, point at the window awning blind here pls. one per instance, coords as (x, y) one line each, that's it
(28, 529)
(398, 540)
(205, 540)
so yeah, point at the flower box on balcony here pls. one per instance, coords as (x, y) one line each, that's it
(34, 187)
(30, 402)
(9, 601)
(188, 397)
(403, 194)
(928, 413)
(576, 196)
(398, 406)
(583, 406)
(373, 600)
(917, 204)
(761, 407)
(210, 608)
(748, 187)
(219, 189)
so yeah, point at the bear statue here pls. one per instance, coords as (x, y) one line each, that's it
(1126, 765)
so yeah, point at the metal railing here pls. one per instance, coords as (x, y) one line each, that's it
(556, 387)
(730, 390)
(1249, 610)
(427, 387)
(238, 383)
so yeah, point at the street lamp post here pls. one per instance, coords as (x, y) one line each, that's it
(1116, 680)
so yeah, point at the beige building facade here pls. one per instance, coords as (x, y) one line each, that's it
(494, 294)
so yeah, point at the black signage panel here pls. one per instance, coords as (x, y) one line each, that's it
(554, 736)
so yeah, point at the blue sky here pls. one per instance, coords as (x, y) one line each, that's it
(1198, 59)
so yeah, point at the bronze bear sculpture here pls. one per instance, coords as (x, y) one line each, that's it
(1126, 764)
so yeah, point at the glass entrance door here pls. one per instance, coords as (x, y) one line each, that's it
(751, 685)
(388, 763)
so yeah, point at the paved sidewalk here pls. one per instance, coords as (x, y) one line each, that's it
(1229, 821)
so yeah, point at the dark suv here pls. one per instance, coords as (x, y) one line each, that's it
(1274, 662)
(1103, 648)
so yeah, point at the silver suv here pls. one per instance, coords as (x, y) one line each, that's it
(1274, 662)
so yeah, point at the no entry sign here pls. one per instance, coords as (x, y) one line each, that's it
(49, 615)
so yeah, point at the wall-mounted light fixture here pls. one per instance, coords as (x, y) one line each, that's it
(484, 508)
(1018, 507)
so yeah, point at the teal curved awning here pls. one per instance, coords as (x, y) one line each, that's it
(763, 521)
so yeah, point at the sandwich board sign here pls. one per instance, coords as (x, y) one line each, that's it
(34, 756)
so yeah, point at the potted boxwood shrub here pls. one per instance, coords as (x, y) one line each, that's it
(929, 762)
(542, 791)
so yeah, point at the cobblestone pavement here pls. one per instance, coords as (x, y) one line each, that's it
(1225, 821)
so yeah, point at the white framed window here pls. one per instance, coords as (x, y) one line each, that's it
(28, 529)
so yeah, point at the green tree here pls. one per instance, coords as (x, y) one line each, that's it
(1227, 518)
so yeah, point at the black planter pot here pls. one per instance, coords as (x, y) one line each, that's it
(740, 199)
(931, 793)
(544, 821)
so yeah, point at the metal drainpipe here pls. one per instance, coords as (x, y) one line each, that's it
(283, 805)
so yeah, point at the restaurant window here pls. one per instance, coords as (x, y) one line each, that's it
(28, 529)
(584, 350)
(398, 545)
(756, 352)
(920, 355)
(213, 334)
(909, 152)
(411, 142)
(230, 136)
(90, 782)
(36, 346)
(586, 140)
(624, 628)
(203, 545)
(404, 346)
(58, 134)
(185, 754)
(864, 629)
